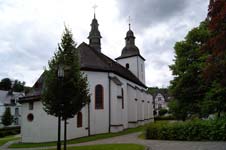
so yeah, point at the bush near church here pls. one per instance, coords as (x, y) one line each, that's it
(168, 117)
(7, 118)
(9, 131)
(162, 112)
(196, 130)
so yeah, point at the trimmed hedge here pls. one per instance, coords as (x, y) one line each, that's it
(9, 131)
(170, 117)
(162, 112)
(213, 130)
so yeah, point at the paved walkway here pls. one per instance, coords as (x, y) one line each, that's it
(152, 144)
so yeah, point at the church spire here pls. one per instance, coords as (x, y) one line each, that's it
(94, 35)
(130, 48)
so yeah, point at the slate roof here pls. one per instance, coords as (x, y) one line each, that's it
(96, 61)
(35, 92)
(90, 60)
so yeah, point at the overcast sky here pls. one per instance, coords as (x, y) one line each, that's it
(31, 29)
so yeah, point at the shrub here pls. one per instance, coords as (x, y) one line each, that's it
(7, 118)
(9, 131)
(195, 130)
(162, 112)
(170, 117)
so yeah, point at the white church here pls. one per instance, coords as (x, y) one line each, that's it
(119, 98)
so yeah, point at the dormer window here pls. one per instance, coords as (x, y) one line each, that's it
(127, 66)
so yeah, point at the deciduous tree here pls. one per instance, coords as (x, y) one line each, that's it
(215, 67)
(188, 87)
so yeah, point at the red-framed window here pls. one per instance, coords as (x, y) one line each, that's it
(79, 120)
(99, 97)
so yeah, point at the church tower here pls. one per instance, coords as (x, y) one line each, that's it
(131, 58)
(94, 35)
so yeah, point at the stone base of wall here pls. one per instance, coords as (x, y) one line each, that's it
(117, 128)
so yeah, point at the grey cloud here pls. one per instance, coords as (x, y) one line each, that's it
(27, 49)
(147, 12)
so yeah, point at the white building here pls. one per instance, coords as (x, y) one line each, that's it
(118, 95)
(160, 102)
(10, 99)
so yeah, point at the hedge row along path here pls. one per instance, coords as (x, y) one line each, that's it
(151, 144)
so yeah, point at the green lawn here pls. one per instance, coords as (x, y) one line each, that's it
(108, 147)
(80, 140)
(7, 139)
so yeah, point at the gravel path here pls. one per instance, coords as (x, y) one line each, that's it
(152, 144)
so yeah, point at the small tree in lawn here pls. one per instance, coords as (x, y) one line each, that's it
(7, 118)
(68, 98)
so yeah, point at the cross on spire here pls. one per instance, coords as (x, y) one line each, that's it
(94, 9)
(129, 20)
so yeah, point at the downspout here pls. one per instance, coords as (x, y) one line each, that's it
(89, 118)
(109, 92)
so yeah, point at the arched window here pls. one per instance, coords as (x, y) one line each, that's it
(79, 120)
(99, 97)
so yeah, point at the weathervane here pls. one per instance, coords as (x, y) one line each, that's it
(94, 9)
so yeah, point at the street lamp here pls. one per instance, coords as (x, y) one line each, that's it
(60, 71)
(60, 75)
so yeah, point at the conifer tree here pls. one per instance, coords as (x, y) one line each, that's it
(68, 97)
(7, 118)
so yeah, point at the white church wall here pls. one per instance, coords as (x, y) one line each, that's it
(134, 110)
(114, 102)
(126, 102)
(146, 106)
(44, 127)
(139, 107)
(141, 68)
(124, 111)
(119, 119)
(99, 118)
(132, 107)
(132, 61)
(136, 66)
(119, 109)
(142, 106)
(116, 110)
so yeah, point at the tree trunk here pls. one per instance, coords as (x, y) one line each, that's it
(58, 141)
(65, 134)
(218, 114)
